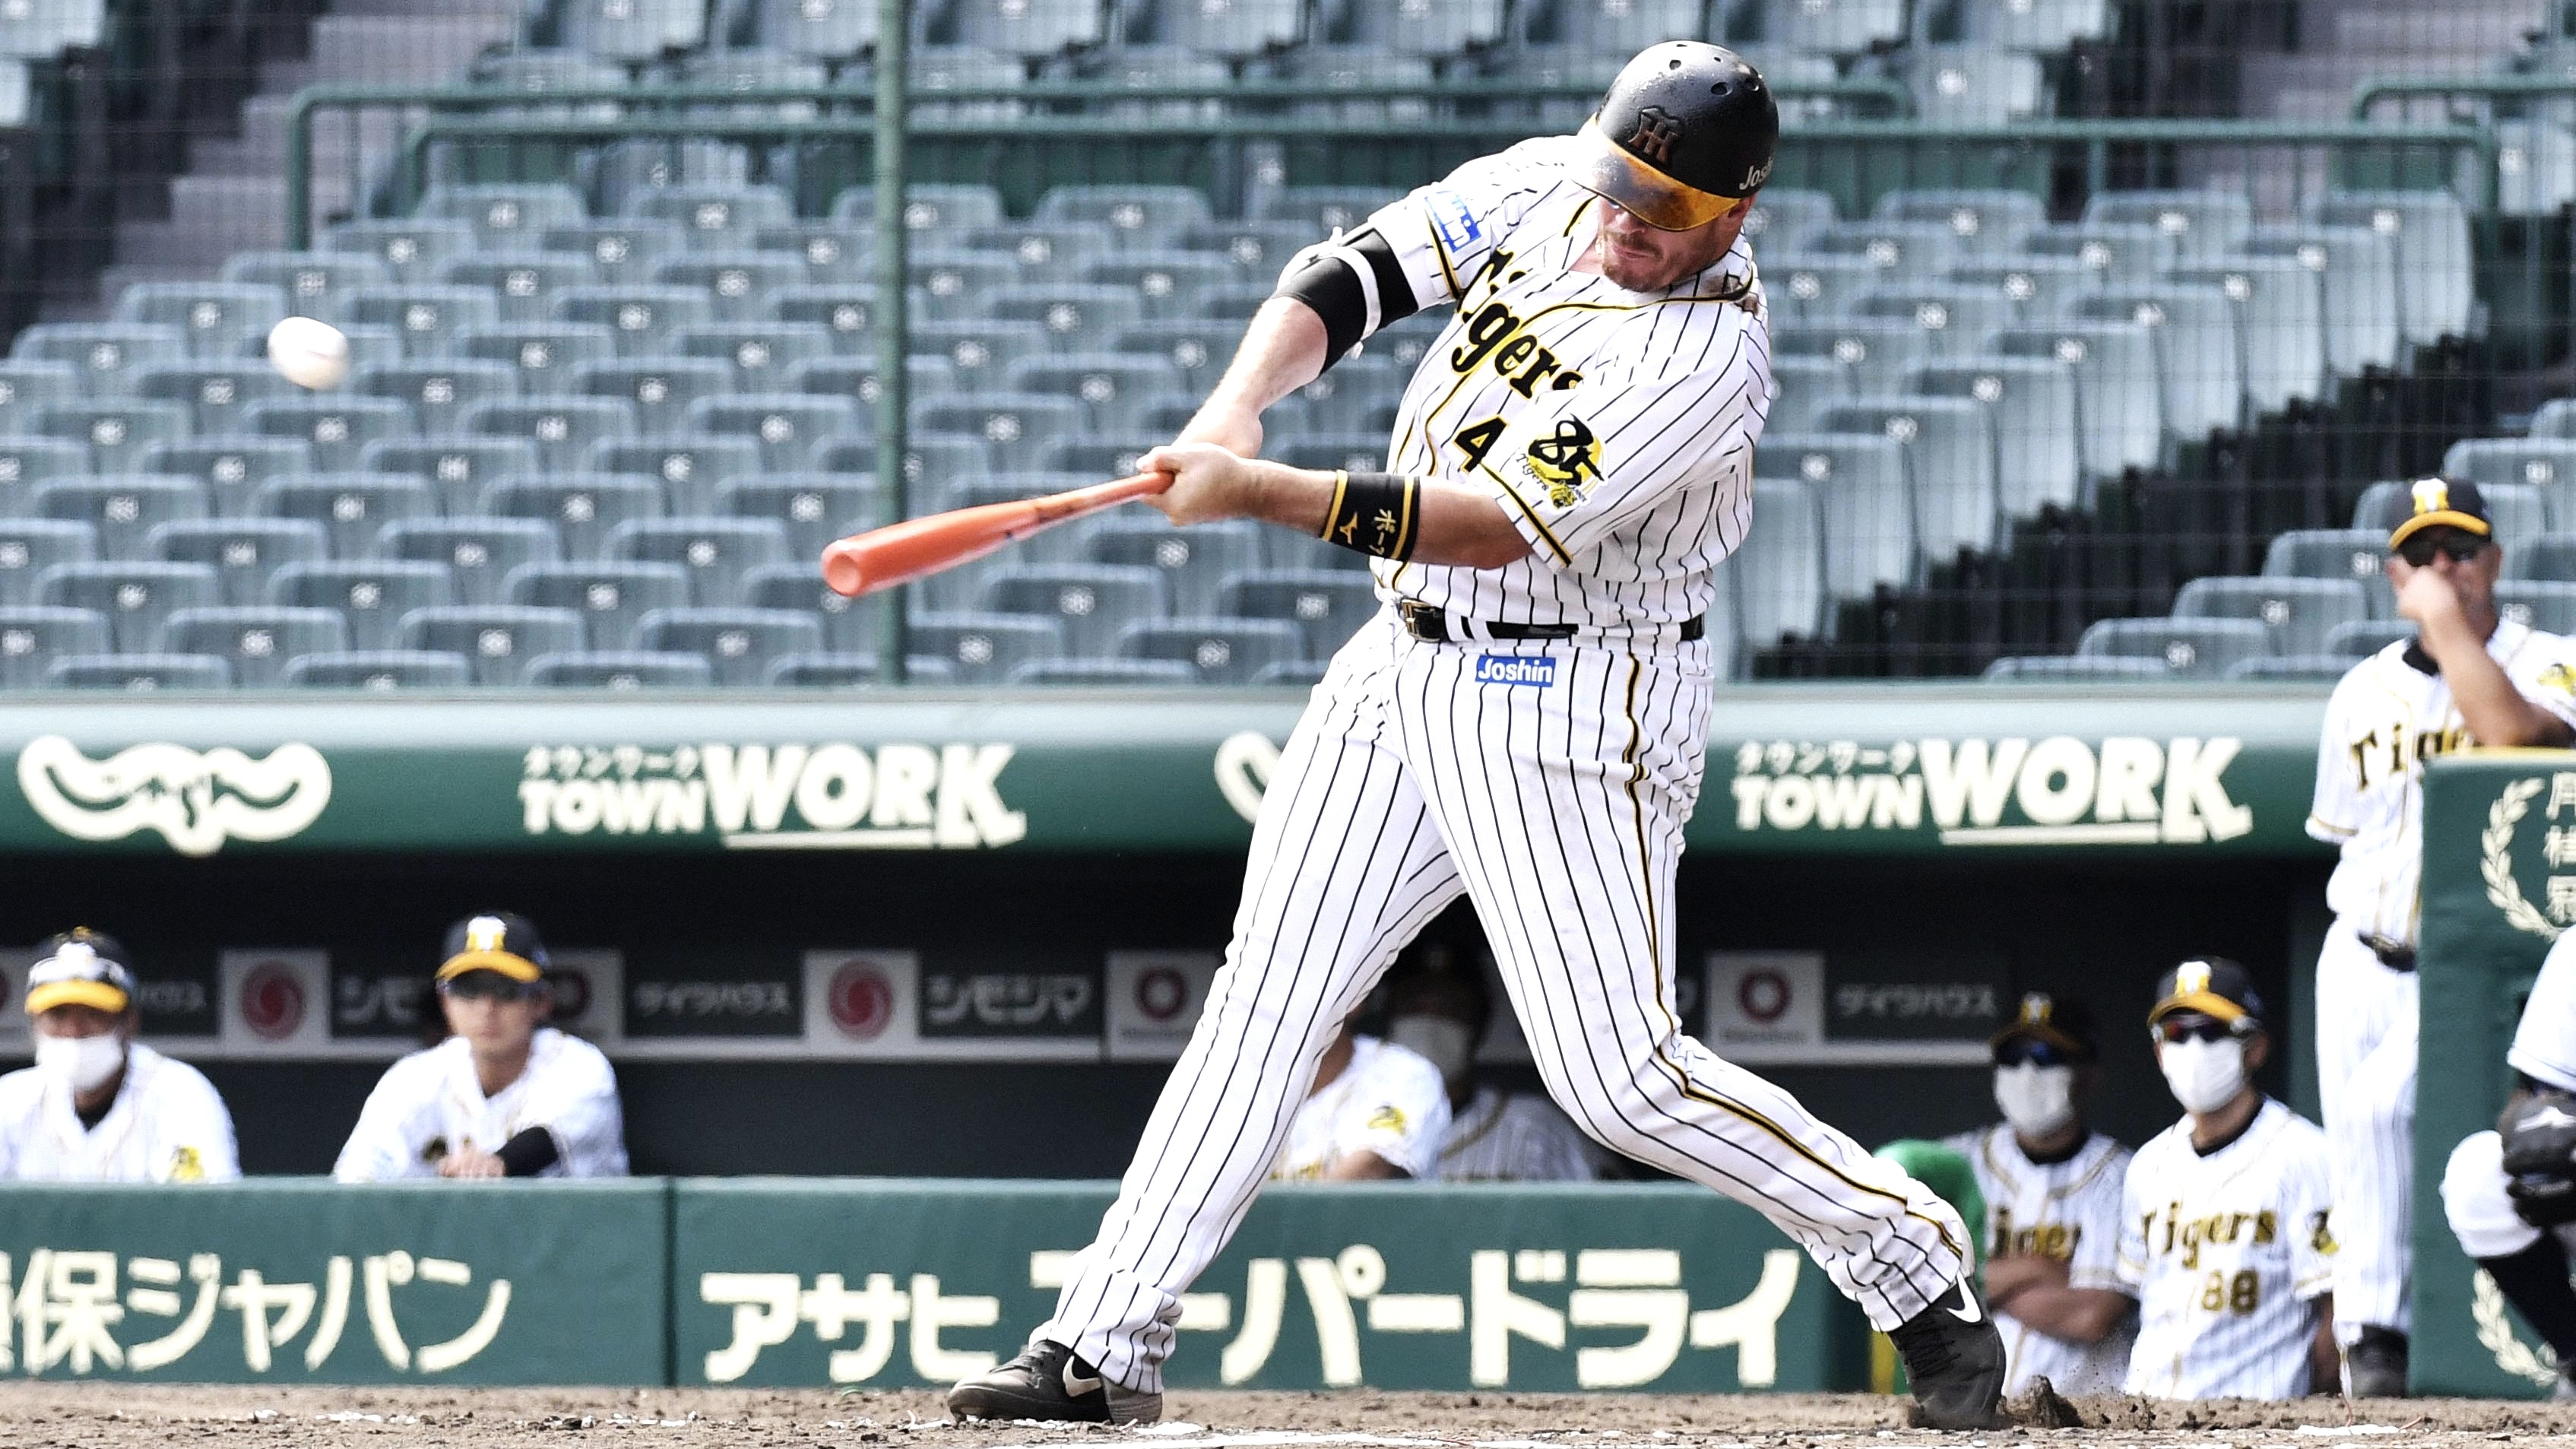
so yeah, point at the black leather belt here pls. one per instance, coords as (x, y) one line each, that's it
(2395, 955)
(1431, 626)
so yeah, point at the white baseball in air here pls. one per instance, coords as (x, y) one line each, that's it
(309, 353)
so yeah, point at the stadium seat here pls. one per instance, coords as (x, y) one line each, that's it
(1016, 428)
(611, 597)
(2361, 640)
(761, 354)
(438, 393)
(821, 29)
(630, 30)
(2091, 669)
(1147, 79)
(1113, 389)
(131, 597)
(1988, 223)
(2204, 225)
(2364, 317)
(2545, 605)
(231, 468)
(351, 508)
(254, 641)
(1973, 85)
(660, 389)
(2555, 419)
(1802, 388)
(378, 670)
(1169, 285)
(1778, 572)
(855, 378)
(1091, 603)
(2114, 255)
(136, 672)
(738, 284)
(1257, 250)
(1359, 85)
(716, 553)
(846, 310)
(1199, 351)
(33, 636)
(1949, 464)
(121, 509)
(937, 209)
(787, 426)
(2199, 357)
(1027, 27)
(2299, 613)
(1194, 562)
(811, 508)
(641, 317)
(981, 648)
(738, 644)
(498, 641)
(313, 283)
(542, 356)
(1218, 651)
(1809, 290)
(1426, 27)
(28, 387)
(620, 669)
(216, 394)
(117, 433)
(2051, 25)
(29, 546)
(217, 319)
(980, 353)
(1219, 27)
(1072, 315)
(584, 508)
(1901, 250)
(563, 429)
(458, 467)
(104, 354)
(1135, 218)
(411, 248)
(2437, 288)
(2535, 168)
(2292, 668)
(336, 428)
(2280, 325)
(2538, 463)
(1858, 483)
(2028, 400)
(243, 552)
(622, 250)
(1327, 606)
(1838, 27)
(2196, 648)
(2354, 554)
(1782, 217)
(1955, 321)
(1877, 352)
(427, 316)
(479, 553)
(628, 171)
(523, 285)
(691, 469)
(2038, 286)
(2550, 556)
(372, 597)
(2119, 402)
(1119, 673)
(1320, 209)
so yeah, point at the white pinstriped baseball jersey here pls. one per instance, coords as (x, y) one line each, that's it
(1388, 1100)
(2391, 713)
(2068, 1210)
(430, 1104)
(2227, 1254)
(167, 1124)
(1615, 427)
(1504, 1136)
(2544, 1041)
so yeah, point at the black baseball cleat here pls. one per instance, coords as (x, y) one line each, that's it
(2375, 1366)
(1954, 1361)
(1047, 1382)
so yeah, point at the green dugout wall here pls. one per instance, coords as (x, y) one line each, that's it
(851, 936)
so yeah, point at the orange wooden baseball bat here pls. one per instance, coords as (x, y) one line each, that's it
(917, 547)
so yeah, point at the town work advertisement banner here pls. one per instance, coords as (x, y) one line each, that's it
(1397, 1285)
(314, 1282)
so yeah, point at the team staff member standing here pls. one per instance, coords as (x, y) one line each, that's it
(98, 1105)
(2468, 677)
(504, 1095)
(2226, 1240)
(1525, 723)
(2052, 1188)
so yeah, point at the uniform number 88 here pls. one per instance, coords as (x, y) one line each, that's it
(2239, 1293)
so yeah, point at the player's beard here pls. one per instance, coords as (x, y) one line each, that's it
(2038, 1101)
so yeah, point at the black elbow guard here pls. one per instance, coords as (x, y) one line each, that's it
(1354, 285)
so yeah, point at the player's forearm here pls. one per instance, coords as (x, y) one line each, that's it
(1363, 1167)
(2008, 1277)
(2495, 712)
(1453, 525)
(1282, 351)
(2325, 1360)
(2077, 1315)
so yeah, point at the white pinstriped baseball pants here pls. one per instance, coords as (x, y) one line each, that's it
(2366, 1020)
(1558, 810)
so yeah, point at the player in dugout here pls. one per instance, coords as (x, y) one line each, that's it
(2052, 1187)
(1377, 1111)
(2225, 1237)
(1442, 1009)
(505, 1095)
(98, 1105)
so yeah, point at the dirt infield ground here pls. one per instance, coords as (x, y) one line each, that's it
(127, 1416)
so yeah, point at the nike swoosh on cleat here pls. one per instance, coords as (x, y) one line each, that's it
(1971, 1313)
(1075, 1385)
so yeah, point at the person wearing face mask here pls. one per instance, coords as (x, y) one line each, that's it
(2052, 1190)
(504, 1095)
(1377, 1110)
(2226, 1241)
(98, 1105)
(1440, 1010)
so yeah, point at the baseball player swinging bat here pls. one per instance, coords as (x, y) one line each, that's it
(917, 547)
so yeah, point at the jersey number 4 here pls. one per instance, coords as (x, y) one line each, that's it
(1477, 439)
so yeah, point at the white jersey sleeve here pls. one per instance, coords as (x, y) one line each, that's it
(2545, 674)
(2334, 814)
(400, 1119)
(2307, 1185)
(573, 1095)
(2544, 1043)
(1587, 461)
(2104, 1211)
(2129, 1261)
(192, 1130)
(1398, 1109)
(1445, 233)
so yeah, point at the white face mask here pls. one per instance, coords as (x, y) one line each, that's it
(2204, 1075)
(2036, 1100)
(1450, 1045)
(84, 1061)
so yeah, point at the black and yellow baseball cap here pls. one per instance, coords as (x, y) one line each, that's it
(2064, 1025)
(80, 967)
(2211, 985)
(494, 941)
(2439, 502)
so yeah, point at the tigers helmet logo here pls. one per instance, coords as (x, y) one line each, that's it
(485, 933)
(1389, 1118)
(2037, 1008)
(2191, 978)
(1657, 130)
(2432, 495)
(1566, 461)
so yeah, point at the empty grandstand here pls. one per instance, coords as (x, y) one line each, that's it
(2095, 322)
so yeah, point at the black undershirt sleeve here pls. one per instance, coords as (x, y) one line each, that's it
(529, 1153)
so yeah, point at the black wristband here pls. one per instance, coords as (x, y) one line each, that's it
(529, 1153)
(1374, 513)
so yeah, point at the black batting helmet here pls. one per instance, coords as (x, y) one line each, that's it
(1686, 131)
